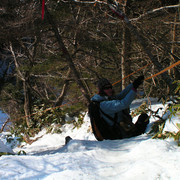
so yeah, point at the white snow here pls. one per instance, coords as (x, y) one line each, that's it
(84, 158)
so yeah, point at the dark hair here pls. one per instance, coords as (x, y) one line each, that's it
(103, 82)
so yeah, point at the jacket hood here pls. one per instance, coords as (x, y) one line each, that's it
(97, 97)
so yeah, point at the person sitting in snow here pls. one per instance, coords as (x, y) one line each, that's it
(114, 110)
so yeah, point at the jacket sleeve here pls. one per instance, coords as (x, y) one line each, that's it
(115, 106)
(124, 92)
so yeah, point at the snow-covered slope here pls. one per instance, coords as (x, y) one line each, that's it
(141, 157)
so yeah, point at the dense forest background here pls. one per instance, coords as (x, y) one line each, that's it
(47, 63)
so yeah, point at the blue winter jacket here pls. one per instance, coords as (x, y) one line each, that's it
(116, 103)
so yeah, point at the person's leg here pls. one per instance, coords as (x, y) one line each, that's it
(142, 123)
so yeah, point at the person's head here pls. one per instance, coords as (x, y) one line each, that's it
(105, 87)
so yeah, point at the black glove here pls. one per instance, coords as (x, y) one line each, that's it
(138, 81)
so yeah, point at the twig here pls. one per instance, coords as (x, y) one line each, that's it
(3, 126)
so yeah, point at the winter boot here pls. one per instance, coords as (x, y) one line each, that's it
(67, 139)
(142, 123)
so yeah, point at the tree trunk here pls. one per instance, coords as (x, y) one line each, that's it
(60, 98)
(27, 103)
(142, 40)
(24, 79)
(126, 46)
(125, 64)
(67, 56)
(123, 59)
(174, 71)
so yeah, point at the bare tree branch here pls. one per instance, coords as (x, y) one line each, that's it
(154, 10)
(16, 63)
(3, 126)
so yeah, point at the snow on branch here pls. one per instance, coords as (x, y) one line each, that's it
(155, 10)
(90, 2)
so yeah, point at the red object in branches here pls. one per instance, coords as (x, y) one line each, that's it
(43, 4)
